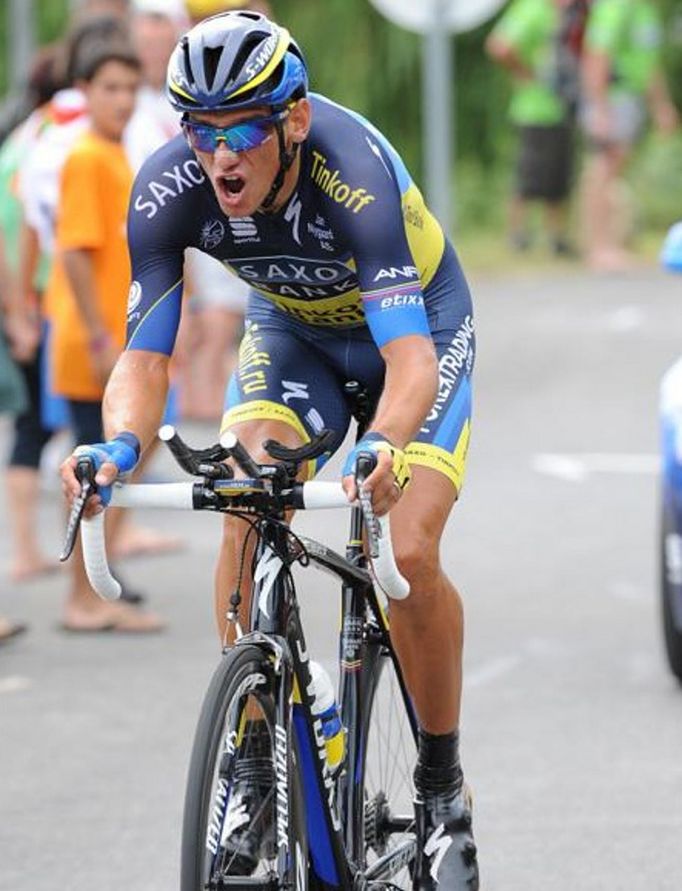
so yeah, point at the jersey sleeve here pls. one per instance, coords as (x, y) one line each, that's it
(372, 220)
(156, 257)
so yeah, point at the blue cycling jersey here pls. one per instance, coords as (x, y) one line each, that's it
(354, 246)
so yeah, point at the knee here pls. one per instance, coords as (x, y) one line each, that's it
(417, 559)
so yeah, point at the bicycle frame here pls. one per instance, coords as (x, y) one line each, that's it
(333, 806)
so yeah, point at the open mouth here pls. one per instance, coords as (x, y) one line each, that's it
(231, 186)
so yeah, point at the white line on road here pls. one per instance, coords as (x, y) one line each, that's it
(14, 684)
(578, 467)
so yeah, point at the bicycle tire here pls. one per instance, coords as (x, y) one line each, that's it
(385, 834)
(670, 588)
(241, 683)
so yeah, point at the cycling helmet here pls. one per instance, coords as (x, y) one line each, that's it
(235, 60)
(239, 60)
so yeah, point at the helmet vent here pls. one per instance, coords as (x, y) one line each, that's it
(245, 50)
(212, 56)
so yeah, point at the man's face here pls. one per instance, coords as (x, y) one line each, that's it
(111, 96)
(242, 180)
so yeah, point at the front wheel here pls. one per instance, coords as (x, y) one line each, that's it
(671, 586)
(385, 829)
(243, 821)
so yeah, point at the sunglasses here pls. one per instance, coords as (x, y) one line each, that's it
(238, 138)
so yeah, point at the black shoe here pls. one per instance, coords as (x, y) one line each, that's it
(248, 830)
(446, 852)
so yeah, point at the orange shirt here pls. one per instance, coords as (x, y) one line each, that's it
(95, 189)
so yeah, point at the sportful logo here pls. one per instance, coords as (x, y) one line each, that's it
(243, 230)
(170, 185)
(212, 233)
(331, 184)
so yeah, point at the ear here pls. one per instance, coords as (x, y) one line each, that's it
(298, 122)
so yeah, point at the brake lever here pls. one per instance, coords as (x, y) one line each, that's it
(85, 474)
(365, 464)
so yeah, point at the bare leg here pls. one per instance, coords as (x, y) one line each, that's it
(23, 493)
(519, 236)
(603, 246)
(85, 611)
(427, 628)
(212, 363)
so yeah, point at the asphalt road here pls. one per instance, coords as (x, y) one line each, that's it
(572, 726)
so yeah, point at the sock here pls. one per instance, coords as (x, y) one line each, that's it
(438, 770)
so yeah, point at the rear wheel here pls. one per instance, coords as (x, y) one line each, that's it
(387, 830)
(242, 817)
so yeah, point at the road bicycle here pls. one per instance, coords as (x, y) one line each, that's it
(315, 824)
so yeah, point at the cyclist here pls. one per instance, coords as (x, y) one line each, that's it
(353, 278)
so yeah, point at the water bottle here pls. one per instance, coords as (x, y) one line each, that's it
(327, 710)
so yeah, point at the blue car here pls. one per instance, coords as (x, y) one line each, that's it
(671, 509)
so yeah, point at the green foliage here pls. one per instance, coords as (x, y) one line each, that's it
(359, 59)
(656, 177)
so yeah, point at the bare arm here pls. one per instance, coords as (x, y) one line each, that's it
(410, 388)
(134, 402)
(79, 266)
(80, 271)
(135, 397)
(663, 110)
(505, 54)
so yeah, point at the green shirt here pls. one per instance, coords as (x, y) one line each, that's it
(530, 28)
(12, 155)
(630, 32)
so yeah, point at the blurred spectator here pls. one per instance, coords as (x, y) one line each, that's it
(538, 42)
(90, 8)
(12, 399)
(22, 325)
(89, 280)
(30, 162)
(622, 75)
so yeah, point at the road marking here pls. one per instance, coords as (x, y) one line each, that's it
(627, 318)
(14, 684)
(578, 468)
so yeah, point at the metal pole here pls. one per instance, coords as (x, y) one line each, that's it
(21, 40)
(437, 101)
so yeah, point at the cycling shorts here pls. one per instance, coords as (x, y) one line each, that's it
(295, 373)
